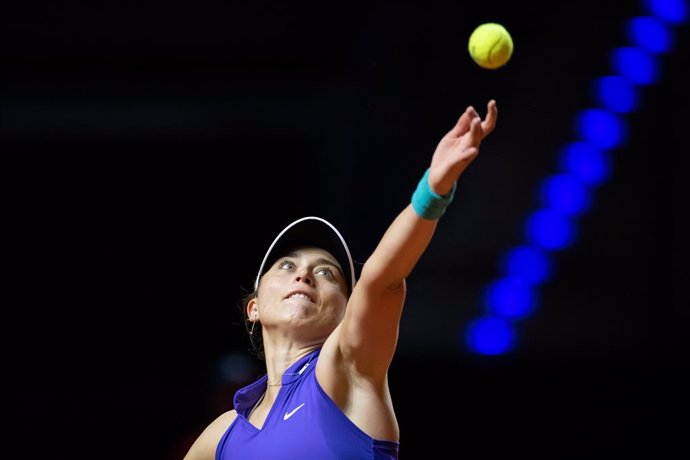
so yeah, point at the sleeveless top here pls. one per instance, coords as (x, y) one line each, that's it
(303, 424)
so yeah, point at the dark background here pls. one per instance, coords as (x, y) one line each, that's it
(153, 150)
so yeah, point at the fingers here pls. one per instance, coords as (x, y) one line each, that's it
(470, 114)
(475, 133)
(489, 122)
(463, 124)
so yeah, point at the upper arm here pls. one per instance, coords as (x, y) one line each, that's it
(366, 339)
(363, 344)
(204, 448)
(369, 332)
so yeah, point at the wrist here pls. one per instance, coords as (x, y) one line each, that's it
(429, 204)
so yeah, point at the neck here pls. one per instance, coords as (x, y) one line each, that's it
(278, 361)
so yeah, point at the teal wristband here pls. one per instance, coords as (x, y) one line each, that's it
(426, 203)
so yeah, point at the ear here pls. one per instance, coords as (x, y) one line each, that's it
(253, 310)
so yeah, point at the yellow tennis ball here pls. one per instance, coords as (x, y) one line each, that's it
(490, 45)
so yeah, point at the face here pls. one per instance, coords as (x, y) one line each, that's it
(304, 290)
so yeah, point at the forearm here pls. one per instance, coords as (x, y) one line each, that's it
(399, 250)
(409, 235)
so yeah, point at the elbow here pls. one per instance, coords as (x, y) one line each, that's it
(382, 284)
(381, 281)
(397, 286)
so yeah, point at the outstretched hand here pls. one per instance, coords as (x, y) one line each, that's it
(459, 147)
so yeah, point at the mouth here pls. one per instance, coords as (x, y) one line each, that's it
(300, 295)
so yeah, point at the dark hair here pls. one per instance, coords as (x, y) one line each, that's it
(253, 329)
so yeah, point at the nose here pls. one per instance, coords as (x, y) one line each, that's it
(304, 276)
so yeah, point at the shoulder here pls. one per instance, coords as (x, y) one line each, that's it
(204, 448)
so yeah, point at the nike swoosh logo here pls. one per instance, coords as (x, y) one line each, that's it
(292, 412)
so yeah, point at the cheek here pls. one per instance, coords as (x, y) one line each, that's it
(338, 302)
(271, 286)
(269, 292)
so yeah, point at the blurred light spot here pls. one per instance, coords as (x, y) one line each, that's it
(600, 128)
(650, 34)
(550, 230)
(490, 336)
(673, 11)
(510, 298)
(587, 163)
(236, 368)
(615, 94)
(635, 64)
(529, 264)
(565, 194)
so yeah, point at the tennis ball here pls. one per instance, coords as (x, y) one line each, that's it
(490, 45)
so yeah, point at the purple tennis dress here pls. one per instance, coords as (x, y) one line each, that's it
(303, 424)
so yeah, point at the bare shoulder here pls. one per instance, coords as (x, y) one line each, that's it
(204, 448)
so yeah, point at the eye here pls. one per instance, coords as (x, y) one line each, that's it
(286, 265)
(324, 271)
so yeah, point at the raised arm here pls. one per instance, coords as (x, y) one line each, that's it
(369, 330)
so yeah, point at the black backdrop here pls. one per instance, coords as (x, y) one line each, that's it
(152, 151)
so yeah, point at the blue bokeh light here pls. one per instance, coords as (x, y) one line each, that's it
(616, 94)
(550, 230)
(490, 336)
(583, 163)
(649, 33)
(635, 64)
(565, 194)
(600, 128)
(589, 164)
(673, 11)
(529, 264)
(510, 298)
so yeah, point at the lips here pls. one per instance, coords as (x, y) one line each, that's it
(300, 295)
